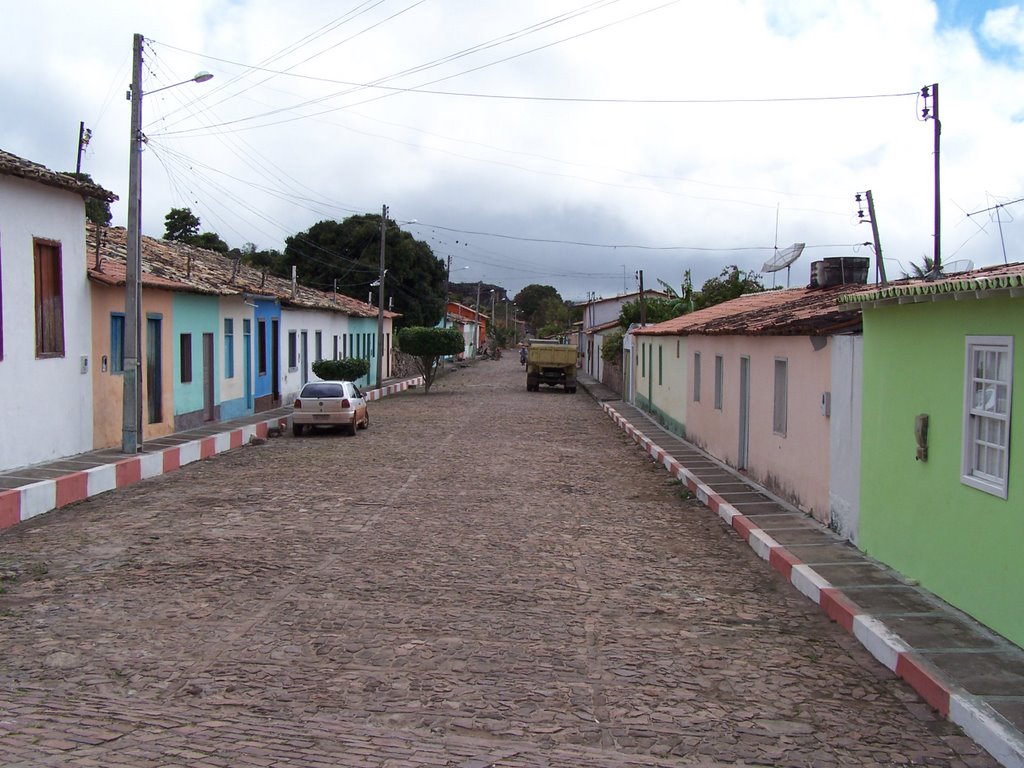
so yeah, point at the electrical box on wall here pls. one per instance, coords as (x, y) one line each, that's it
(826, 403)
(83, 364)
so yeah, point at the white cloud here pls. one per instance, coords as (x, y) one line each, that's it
(694, 174)
(1005, 27)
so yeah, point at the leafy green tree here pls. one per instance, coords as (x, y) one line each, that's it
(611, 347)
(922, 270)
(731, 283)
(428, 346)
(210, 241)
(534, 304)
(181, 225)
(658, 310)
(346, 369)
(259, 259)
(96, 210)
(349, 252)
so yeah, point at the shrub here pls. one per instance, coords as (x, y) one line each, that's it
(347, 369)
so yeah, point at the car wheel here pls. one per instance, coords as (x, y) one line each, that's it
(366, 420)
(353, 426)
(297, 429)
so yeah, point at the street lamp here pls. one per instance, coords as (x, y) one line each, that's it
(131, 417)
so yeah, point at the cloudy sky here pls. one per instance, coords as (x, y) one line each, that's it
(561, 142)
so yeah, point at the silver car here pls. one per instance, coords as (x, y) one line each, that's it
(330, 404)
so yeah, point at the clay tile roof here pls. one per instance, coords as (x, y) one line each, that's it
(179, 267)
(12, 165)
(1002, 277)
(789, 312)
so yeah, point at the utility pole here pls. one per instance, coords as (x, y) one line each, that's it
(643, 302)
(874, 235)
(492, 314)
(476, 332)
(84, 135)
(933, 114)
(132, 404)
(879, 264)
(380, 296)
(447, 278)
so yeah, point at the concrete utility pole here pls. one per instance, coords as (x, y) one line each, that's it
(132, 406)
(131, 415)
(933, 114)
(476, 333)
(643, 302)
(874, 234)
(380, 296)
(447, 279)
(492, 314)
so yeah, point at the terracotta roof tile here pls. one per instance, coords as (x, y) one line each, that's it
(788, 312)
(180, 267)
(984, 279)
(12, 165)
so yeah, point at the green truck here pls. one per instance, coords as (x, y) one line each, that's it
(551, 363)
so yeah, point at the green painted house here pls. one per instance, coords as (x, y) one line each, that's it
(942, 464)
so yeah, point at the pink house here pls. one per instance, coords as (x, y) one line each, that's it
(769, 384)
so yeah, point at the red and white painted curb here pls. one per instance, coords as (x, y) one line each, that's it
(1005, 744)
(28, 501)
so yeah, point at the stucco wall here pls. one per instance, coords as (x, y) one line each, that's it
(196, 315)
(665, 387)
(56, 420)
(796, 465)
(961, 543)
(108, 387)
(233, 401)
(844, 435)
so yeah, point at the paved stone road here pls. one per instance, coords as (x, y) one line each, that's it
(485, 577)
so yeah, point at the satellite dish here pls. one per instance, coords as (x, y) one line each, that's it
(783, 258)
(955, 267)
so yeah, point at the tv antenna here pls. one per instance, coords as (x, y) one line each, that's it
(783, 260)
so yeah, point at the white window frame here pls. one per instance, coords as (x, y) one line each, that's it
(780, 402)
(979, 416)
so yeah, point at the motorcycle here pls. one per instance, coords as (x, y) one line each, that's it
(522, 356)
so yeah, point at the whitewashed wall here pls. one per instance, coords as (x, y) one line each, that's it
(844, 435)
(47, 403)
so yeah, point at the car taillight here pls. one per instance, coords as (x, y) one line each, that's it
(345, 403)
(298, 403)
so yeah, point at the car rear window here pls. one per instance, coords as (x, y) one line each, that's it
(321, 389)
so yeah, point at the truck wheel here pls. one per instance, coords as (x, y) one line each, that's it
(297, 430)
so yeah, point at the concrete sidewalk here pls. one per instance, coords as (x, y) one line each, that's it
(972, 676)
(30, 491)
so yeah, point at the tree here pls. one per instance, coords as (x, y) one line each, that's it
(541, 306)
(97, 210)
(658, 310)
(346, 369)
(731, 283)
(349, 252)
(922, 270)
(428, 346)
(262, 260)
(181, 224)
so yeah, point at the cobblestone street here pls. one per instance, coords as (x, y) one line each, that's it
(485, 576)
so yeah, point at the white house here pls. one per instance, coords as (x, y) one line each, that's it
(600, 319)
(45, 314)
